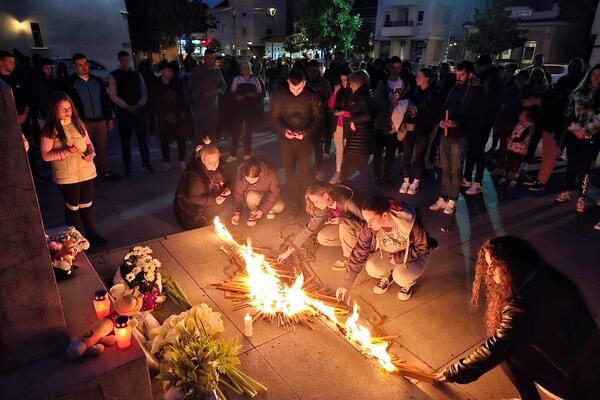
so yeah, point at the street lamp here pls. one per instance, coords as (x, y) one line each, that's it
(272, 11)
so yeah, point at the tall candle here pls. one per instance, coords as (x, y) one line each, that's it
(123, 332)
(101, 304)
(248, 325)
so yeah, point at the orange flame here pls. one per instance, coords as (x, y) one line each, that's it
(270, 296)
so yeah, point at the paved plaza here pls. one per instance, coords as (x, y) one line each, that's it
(435, 327)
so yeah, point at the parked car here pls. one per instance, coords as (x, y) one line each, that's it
(556, 70)
(96, 68)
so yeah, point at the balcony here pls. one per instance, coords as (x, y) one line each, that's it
(397, 28)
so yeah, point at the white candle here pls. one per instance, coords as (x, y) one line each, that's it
(247, 325)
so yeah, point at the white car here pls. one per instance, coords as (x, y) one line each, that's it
(556, 70)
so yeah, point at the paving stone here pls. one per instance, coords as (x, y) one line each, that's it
(440, 329)
(327, 367)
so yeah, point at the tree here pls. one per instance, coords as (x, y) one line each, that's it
(158, 23)
(495, 30)
(363, 44)
(295, 43)
(328, 24)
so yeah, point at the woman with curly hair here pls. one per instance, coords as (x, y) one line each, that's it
(539, 327)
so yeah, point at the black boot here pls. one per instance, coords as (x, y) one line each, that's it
(73, 218)
(90, 232)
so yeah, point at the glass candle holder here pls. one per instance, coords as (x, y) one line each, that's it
(101, 304)
(122, 332)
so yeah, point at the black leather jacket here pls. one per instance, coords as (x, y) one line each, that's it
(302, 113)
(548, 331)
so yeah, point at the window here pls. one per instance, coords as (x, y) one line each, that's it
(37, 35)
(529, 51)
(420, 15)
(506, 54)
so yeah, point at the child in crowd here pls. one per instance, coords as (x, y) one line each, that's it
(517, 146)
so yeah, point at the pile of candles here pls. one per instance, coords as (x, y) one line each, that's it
(122, 328)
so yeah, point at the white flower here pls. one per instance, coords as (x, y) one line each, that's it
(129, 277)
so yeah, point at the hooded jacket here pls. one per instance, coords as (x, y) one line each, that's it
(268, 185)
(409, 227)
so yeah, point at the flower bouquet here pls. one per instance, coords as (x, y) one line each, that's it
(194, 363)
(139, 269)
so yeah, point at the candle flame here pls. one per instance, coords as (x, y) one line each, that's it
(267, 294)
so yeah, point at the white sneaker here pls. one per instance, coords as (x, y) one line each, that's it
(524, 166)
(597, 226)
(404, 187)
(413, 188)
(247, 157)
(474, 189)
(439, 205)
(182, 165)
(450, 207)
(335, 178)
(230, 159)
(271, 215)
(166, 167)
(383, 285)
(404, 293)
(340, 265)
(466, 183)
(565, 196)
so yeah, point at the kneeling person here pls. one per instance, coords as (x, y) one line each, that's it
(258, 184)
(202, 189)
(393, 248)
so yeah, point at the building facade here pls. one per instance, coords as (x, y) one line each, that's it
(559, 29)
(425, 31)
(59, 28)
(255, 26)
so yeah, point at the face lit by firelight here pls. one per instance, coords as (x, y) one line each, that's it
(493, 271)
(320, 201)
(374, 221)
(296, 89)
(211, 161)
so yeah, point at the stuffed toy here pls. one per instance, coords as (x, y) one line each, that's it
(126, 301)
(93, 340)
(64, 247)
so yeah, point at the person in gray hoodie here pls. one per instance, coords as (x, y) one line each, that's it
(393, 247)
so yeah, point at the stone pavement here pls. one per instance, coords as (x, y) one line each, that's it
(436, 326)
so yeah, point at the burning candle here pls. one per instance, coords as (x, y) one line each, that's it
(123, 332)
(247, 325)
(101, 304)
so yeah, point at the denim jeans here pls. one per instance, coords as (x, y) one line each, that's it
(452, 156)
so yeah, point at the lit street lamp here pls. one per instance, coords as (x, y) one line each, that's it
(272, 11)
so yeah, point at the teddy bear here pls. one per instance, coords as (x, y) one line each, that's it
(93, 340)
(64, 247)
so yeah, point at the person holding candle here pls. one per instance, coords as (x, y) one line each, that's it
(66, 145)
(540, 329)
(258, 184)
(465, 117)
(202, 189)
(393, 247)
(335, 218)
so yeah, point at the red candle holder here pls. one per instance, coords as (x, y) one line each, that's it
(101, 304)
(123, 332)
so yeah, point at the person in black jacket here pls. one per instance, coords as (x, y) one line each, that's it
(360, 139)
(425, 114)
(128, 90)
(95, 109)
(492, 87)
(202, 189)
(540, 330)
(296, 116)
(463, 116)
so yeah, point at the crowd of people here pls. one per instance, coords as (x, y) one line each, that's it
(369, 114)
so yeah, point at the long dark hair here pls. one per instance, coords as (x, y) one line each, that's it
(587, 79)
(513, 259)
(53, 128)
(381, 204)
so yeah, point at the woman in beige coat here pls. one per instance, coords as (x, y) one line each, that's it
(66, 145)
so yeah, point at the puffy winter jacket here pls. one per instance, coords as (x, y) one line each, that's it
(362, 114)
